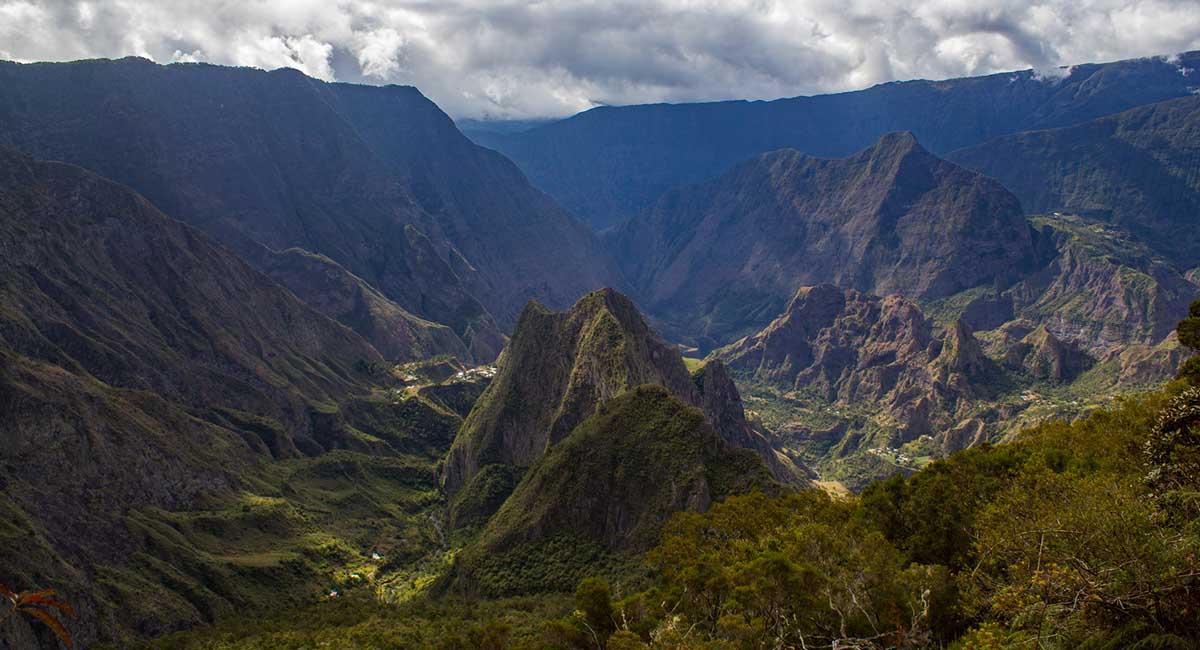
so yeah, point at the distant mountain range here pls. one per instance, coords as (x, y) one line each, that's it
(1135, 169)
(609, 163)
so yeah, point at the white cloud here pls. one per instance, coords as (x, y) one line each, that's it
(380, 52)
(553, 57)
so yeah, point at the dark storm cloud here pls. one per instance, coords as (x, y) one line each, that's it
(522, 59)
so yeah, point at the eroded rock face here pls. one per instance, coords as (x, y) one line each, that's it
(398, 335)
(726, 254)
(1104, 289)
(377, 179)
(1046, 357)
(850, 347)
(560, 366)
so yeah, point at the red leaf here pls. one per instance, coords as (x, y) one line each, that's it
(53, 624)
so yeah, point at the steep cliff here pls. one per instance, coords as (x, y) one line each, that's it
(721, 258)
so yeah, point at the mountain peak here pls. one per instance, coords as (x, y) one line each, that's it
(560, 366)
(892, 218)
(898, 142)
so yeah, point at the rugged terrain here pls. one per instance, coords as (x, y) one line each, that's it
(599, 432)
(1136, 170)
(861, 387)
(609, 163)
(377, 179)
(182, 436)
(284, 398)
(720, 258)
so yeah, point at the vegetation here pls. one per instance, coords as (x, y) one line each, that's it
(40, 605)
(1075, 535)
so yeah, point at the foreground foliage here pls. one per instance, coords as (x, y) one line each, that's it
(1077, 535)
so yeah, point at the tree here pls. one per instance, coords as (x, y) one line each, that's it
(1188, 331)
(1173, 457)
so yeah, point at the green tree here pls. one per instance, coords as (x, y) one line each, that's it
(1188, 331)
(593, 601)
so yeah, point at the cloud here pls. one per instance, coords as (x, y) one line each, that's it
(520, 58)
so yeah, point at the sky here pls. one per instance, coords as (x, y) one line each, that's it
(506, 59)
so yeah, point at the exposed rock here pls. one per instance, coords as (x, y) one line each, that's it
(849, 347)
(1046, 357)
(725, 255)
(332, 290)
(1104, 289)
(613, 482)
(722, 404)
(560, 366)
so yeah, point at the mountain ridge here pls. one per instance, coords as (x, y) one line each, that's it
(609, 163)
(728, 253)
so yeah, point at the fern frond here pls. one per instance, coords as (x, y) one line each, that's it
(45, 601)
(53, 624)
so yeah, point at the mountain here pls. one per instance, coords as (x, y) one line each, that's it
(609, 163)
(590, 436)
(557, 370)
(183, 437)
(377, 179)
(860, 387)
(722, 257)
(604, 492)
(329, 288)
(1138, 170)
(845, 346)
(1104, 289)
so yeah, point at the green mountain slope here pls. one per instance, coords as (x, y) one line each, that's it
(282, 160)
(1137, 169)
(182, 437)
(607, 488)
(558, 369)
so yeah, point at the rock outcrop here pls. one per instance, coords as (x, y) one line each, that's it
(844, 346)
(721, 258)
(1046, 357)
(1104, 289)
(561, 366)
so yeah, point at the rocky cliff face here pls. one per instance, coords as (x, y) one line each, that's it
(358, 174)
(610, 485)
(609, 163)
(849, 347)
(866, 385)
(397, 334)
(561, 366)
(1136, 170)
(717, 258)
(1104, 289)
